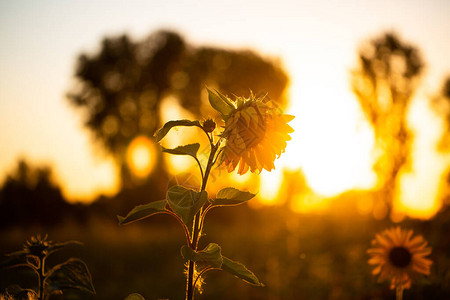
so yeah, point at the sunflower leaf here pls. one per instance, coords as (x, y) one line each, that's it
(143, 211)
(135, 296)
(18, 292)
(209, 257)
(186, 202)
(220, 103)
(231, 196)
(72, 273)
(190, 149)
(59, 246)
(239, 270)
(15, 259)
(169, 125)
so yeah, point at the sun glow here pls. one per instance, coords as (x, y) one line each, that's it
(419, 189)
(333, 146)
(332, 143)
(270, 185)
(141, 156)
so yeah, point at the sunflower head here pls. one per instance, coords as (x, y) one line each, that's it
(255, 132)
(37, 246)
(399, 257)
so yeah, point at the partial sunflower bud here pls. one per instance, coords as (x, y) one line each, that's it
(209, 125)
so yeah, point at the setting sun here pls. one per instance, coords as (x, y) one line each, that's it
(332, 142)
(141, 156)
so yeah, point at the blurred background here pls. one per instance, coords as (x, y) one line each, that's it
(85, 84)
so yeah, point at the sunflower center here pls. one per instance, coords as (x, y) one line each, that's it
(400, 257)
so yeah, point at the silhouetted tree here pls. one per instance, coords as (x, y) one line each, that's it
(121, 87)
(384, 84)
(29, 197)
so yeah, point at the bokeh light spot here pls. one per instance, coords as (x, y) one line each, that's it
(141, 156)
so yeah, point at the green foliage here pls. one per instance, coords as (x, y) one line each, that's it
(73, 273)
(240, 271)
(220, 103)
(190, 149)
(190, 206)
(231, 196)
(169, 125)
(186, 203)
(210, 257)
(143, 211)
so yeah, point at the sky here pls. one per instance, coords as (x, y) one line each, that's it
(317, 42)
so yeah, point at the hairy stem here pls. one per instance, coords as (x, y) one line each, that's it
(197, 223)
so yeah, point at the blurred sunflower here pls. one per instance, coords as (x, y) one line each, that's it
(399, 257)
(256, 133)
(37, 246)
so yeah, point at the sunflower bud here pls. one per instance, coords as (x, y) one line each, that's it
(209, 125)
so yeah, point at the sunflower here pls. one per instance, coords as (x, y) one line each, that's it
(399, 256)
(256, 134)
(37, 246)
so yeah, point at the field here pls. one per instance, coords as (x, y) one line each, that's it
(296, 256)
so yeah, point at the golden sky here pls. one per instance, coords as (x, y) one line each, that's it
(317, 42)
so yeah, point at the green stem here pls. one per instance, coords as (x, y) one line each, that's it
(196, 228)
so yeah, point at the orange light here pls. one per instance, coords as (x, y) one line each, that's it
(270, 185)
(310, 203)
(141, 156)
(240, 179)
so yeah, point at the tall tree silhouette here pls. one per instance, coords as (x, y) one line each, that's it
(120, 89)
(384, 84)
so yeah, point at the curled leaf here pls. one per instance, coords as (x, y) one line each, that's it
(190, 149)
(169, 125)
